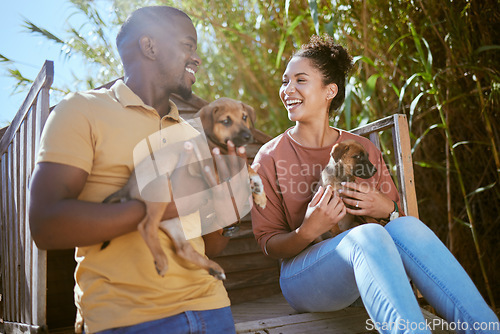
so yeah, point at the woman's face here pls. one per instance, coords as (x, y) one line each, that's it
(303, 93)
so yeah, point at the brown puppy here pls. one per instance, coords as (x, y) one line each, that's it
(348, 160)
(151, 223)
(226, 119)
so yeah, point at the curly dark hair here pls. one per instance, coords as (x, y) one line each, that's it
(332, 60)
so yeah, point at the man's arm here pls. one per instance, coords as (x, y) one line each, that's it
(58, 220)
(214, 243)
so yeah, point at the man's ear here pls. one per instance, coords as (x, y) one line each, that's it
(333, 89)
(148, 47)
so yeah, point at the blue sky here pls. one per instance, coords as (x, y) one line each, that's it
(29, 51)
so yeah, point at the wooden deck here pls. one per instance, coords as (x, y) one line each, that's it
(273, 315)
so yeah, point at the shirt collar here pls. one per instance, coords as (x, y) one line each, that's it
(128, 98)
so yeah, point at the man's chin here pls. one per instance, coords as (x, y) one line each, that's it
(185, 93)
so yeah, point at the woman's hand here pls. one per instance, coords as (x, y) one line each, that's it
(366, 200)
(323, 213)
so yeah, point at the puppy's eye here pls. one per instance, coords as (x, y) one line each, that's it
(357, 156)
(227, 121)
(245, 117)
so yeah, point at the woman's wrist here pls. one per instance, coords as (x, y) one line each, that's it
(303, 235)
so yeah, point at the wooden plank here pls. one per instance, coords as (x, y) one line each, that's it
(10, 237)
(246, 262)
(28, 156)
(43, 79)
(39, 257)
(21, 221)
(241, 246)
(375, 139)
(18, 328)
(244, 295)
(376, 126)
(273, 306)
(349, 320)
(274, 315)
(402, 145)
(4, 238)
(16, 247)
(251, 278)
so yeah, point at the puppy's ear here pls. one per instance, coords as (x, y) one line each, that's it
(207, 118)
(250, 111)
(339, 150)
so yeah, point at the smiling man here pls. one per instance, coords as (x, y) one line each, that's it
(86, 153)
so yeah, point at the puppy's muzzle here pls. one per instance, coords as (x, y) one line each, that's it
(242, 138)
(365, 169)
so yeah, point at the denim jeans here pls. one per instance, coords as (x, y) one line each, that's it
(218, 321)
(374, 262)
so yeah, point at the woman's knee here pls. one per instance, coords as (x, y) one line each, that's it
(407, 225)
(369, 231)
(369, 234)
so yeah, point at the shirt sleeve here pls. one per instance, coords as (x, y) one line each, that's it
(67, 136)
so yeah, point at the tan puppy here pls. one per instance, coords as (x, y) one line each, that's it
(226, 119)
(348, 160)
(151, 223)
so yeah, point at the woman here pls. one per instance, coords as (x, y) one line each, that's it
(371, 261)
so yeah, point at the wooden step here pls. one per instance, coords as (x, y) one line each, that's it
(273, 315)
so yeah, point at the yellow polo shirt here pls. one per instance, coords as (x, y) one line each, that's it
(119, 286)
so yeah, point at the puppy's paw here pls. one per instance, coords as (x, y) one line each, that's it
(216, 271)
(259, 196)
(260, 199)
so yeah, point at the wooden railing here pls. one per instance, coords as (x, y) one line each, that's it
(23, 265)
(402, 153)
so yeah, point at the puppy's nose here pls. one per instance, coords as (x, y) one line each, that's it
(247, 135)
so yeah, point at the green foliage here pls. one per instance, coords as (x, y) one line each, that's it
(437, 61)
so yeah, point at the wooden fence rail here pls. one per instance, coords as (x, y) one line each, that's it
(23, 265)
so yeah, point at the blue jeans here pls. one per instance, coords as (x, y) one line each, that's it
(218, 321)
(375, 262)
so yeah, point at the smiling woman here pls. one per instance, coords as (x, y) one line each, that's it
(371, 261)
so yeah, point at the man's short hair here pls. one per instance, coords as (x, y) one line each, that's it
(145, 20)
